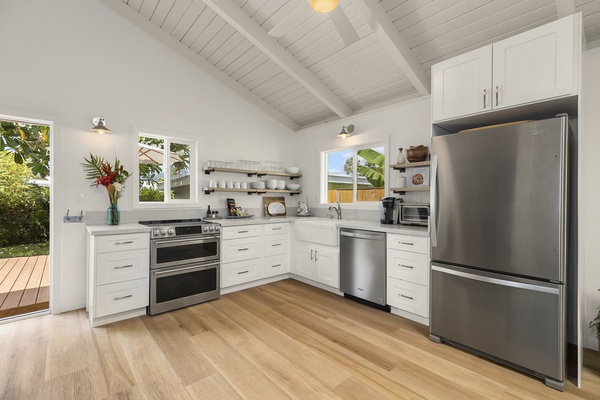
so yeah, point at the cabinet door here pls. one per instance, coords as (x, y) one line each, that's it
(327, 266)
(536, 65)
(462, 85)
(304, 264)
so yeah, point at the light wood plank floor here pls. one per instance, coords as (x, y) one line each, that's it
(24, 285)
(285, 340)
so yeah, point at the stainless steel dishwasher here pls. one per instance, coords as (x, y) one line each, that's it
(362, 266)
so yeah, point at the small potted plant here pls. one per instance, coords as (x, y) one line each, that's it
(596, 322)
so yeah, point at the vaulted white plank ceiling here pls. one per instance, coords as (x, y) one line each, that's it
(303, 73)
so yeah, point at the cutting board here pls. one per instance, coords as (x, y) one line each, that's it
(274, 206)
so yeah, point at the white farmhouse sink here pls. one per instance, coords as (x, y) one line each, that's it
(318, 221)
(317, 230)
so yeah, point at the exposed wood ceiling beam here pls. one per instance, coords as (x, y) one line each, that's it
(256, 34)
(143, 23)
(564, 8)
(389, 36)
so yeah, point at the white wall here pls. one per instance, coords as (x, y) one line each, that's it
(408, 124)
(71, 60)
(590, 259)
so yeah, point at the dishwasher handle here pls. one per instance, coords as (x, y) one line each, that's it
(363, 235)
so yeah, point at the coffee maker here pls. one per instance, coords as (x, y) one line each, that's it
(389, 210)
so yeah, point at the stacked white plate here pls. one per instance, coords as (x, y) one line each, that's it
(257, 185)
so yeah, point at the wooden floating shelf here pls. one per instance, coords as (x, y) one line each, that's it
(251, 191)
(402, 167)
(208, 171)
(404, 190)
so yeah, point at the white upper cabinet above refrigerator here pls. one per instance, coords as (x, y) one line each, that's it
(462, 85)
(534, 66)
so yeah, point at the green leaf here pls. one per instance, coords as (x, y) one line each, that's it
(372, 156)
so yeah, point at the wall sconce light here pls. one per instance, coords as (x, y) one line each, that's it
(99, 126)
(346, 131)
(323, 6)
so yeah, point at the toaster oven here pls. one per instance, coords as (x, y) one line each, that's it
(414, 214)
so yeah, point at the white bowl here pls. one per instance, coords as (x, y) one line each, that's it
(292, 186)
(292, 170)
(280, 185)
(257, 185)
(271, 184)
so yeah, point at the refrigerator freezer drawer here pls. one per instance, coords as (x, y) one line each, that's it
(515, 320)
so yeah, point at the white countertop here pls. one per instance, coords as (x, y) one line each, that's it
(103, 230)
(356, 224)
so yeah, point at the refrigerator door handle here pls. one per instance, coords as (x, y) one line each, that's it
(495, 281)
(433, 201)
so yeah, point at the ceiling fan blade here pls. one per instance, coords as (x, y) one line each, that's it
(291, 21)
(343, 26)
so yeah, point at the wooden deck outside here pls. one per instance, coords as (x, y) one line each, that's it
(24, 285)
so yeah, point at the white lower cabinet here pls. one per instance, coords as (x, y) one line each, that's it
(253, 252)
(408, 275)
(118, 275)
(318, 263)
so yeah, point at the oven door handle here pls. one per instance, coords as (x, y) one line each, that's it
(160, 242)
(178, 270)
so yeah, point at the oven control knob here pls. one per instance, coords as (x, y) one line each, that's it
(171, 231)
(217, 228)
(211, 228)
(156, 232)
(163, 232)
(205, 229)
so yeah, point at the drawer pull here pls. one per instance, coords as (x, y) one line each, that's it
(407, 243)
(242, 231)
(126, 242)
(276, 244)
(276, 229)
(123, 266)
(244, 249)
(407, 297)
(315, 255)
(275, 265)
(243, 272)
(406, 266)
(123, 297)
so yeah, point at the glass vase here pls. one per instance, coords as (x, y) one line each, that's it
(113, 215)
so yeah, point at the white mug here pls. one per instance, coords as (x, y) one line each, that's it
(212, 184)
(244, 185)
(229, 184)
(221, 184)
(236, 185)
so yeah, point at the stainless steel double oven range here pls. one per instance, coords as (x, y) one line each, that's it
(184, 263)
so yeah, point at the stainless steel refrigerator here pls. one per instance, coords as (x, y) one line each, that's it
(499, 244)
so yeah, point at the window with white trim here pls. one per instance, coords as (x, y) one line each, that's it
(353, 175)
(166, 170)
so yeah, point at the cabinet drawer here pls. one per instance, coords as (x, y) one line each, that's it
(408, 296)
(276, 229)
(275, 244)
(237, 232)
(123, 242)
(122, 296)
(275, 265)
(241, 272)
(412, 267)
(121, 266)
(414, 244)
(241, 249)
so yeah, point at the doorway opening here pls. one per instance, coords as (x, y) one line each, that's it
(24, 217)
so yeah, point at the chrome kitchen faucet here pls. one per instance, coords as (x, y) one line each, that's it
(337, 209)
